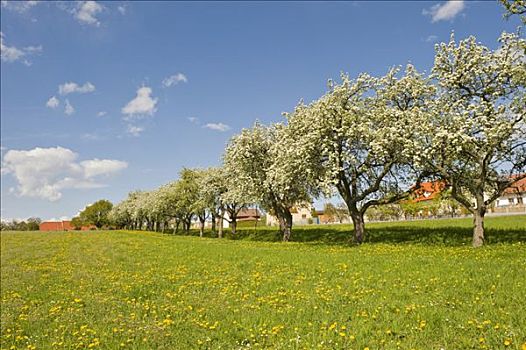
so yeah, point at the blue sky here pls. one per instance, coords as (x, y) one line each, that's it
(142, 89)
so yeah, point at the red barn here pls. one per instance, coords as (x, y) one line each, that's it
(62, 226)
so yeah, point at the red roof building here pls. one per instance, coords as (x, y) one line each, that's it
(428, 191)
(517, 187)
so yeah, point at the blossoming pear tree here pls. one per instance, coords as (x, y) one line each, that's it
(515, 7)
(358, 139)
(476, 135)
(251, 159)
(212, 186)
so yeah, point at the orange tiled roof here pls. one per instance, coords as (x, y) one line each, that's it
(428, 190)
(519, 186)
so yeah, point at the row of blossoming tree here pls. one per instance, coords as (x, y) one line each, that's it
(370, 139)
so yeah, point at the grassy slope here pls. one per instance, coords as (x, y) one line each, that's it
(152, 291)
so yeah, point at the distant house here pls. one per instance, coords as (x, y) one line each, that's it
(323, 218)
(245, 214)
(64, 225)
(301, 215)
(248, 214)
(513, 199)
(427, 191)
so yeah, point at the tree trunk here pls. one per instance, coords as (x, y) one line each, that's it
(358, 222)
(176, 228)
(213, 223)
(187, 224)
(220, 224)
(478, 228)
(201, 226)
(284, 217)
(286, 229)
(233, 225)
(359, 226)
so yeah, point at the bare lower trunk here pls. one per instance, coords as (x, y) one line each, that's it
(285, 225)
(220, 224)
(233, 225)
(176, 228)
(213, 223)
(359, 226)
(356, 217)
(478, 228)
(201, 227)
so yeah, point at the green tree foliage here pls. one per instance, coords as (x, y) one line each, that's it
(31, 224)
(77, 223)
(96, 213)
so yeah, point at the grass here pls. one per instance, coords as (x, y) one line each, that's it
(451, 232)
(415, 285)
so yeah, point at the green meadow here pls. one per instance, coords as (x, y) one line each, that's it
(412, 285)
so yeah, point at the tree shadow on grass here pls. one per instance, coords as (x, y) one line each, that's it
(428, 232)
(448, 235)
(400, 234)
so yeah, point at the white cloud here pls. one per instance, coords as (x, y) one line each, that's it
(53, 102)
(45, 172)
(193, 120)
(217, 126)
(9, 53)
(68, 108)
(102, 113)
(134, 130)
(174, 80)
(445, 11)
(86, 11)
(143, 104)
(12, 54)
(19, 6)
(68, 88)
(98, 167)
(431, 39)
(122, 9)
